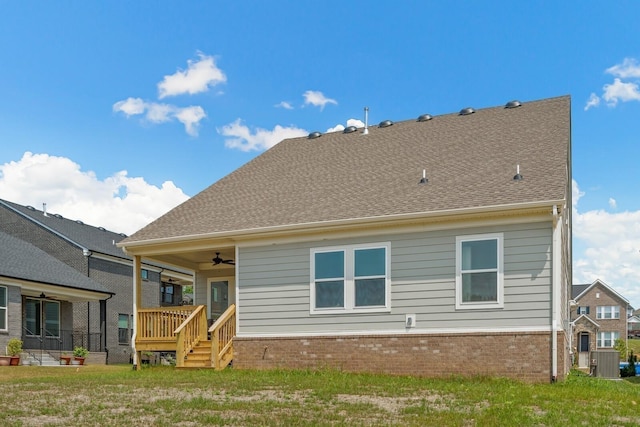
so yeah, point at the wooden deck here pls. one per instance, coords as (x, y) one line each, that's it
(184, 330)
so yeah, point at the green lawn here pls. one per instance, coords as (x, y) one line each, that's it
(163, 396)
(634, 344)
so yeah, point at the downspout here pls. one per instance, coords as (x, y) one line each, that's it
(555, 290)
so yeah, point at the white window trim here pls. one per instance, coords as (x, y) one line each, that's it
(349, 281)
(600, 339)
(6, 309)
(479, 305)
(601, 310)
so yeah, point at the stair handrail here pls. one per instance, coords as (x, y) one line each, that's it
(192, 330)
(222, 332)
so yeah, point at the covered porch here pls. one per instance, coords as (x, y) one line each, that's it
(200, 334)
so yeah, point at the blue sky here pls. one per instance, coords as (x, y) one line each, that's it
(114, 112)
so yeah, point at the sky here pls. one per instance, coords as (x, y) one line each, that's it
(115, 112)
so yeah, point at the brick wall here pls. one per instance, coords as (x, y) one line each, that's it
(525, 357)
(601, 296)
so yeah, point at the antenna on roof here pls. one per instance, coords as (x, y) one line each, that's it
(44, 209)
(517, 176)
(366, 121)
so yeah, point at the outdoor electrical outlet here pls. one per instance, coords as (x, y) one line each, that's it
(410, 321)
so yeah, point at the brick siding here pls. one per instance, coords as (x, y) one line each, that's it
(526, 356)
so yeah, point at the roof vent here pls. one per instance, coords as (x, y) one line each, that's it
(350, 129)
(314, 135)
(122, 234)
(79, 222)
(58, 216)
(31, 208)
(467, 111)
(517, 176)
(425, 118)
(513, 104)
(424, 178)
(385, 123)
(102, 229)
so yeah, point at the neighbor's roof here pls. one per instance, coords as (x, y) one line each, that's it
(23, 261)
(470, 161)
(578, 289)
(95, 239)
(587, 288)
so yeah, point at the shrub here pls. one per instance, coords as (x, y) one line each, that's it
(80, 352)
(14, 347)
(630, 369)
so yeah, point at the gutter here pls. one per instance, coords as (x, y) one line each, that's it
(318, 225)
(555, 290)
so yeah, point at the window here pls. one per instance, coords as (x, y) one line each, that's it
(350, 278)
(167, 293)
(124, 328)
(42, 318)
(479, 271)
(145, 274)
(608, 312)
(3, 308)
(607, 339)
(583, 310)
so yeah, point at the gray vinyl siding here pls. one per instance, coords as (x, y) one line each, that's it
(274, 285)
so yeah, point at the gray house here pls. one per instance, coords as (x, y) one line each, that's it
(37, 293)
(103, 325)
(402, 248)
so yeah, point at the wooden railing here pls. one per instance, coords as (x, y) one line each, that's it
(222, 333)
(190, 333)
(155, 329)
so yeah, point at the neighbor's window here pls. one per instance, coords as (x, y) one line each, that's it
(583, 310)
(3, 308)
(608, 312)
(124, 328)
(350, 278)
(167, 293)
(479, 271)
(144, 274)
(607, 339)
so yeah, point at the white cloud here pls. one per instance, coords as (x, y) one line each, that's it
(351, 122)
(284, 104)
(594, 101)
(242, 138)
(620, 91)
(317, 99)
(198, 77)
(607, 247)
(154, 112)
(118, 203)
(628, 68)
(612, 203)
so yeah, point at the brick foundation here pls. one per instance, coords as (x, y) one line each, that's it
(526, 356)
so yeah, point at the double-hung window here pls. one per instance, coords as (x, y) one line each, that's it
(3, 308)
(479, 271)
(124, 328)
(607, 339)
(351, 278)
(583, 309)
(608, 312)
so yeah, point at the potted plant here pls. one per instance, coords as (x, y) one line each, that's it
(14, 349)
(79, 354)
(65, 359)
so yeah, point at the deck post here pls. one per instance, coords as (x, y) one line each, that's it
(137, 303)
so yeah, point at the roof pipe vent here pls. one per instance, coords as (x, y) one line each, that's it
(424, 178)
(517, 176)
(385, 124)
(350, 129)
(425, 118)
(467, 111)
(314, 135)
(44, 209)
(513, 104)
(366, 121)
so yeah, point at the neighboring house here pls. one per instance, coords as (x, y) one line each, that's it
(36, 296)
(599, 317)
(633, 325)
(100, 324)
(438, 246)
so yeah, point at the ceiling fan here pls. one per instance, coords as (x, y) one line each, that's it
(217, 260)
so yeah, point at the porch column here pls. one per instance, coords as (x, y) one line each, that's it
(137, 302)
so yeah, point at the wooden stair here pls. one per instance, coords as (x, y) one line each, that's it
(199, 357)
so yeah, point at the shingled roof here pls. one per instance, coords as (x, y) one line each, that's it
(95, 239)
(470, 161)
(23, 261)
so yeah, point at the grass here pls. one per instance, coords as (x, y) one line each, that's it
(163, 396)
(634, 344)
